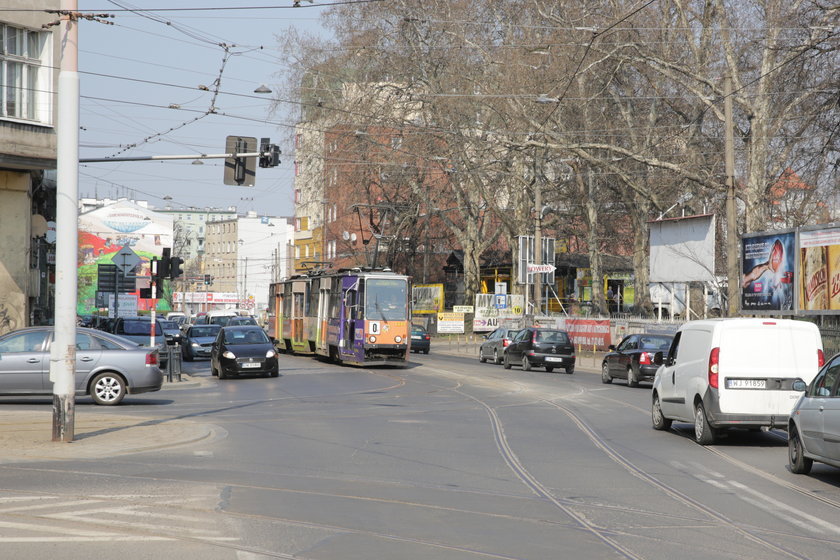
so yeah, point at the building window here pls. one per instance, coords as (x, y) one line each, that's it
(297, 224)
(297, 196)
(396, 142)
(25, 74)
(297, 168)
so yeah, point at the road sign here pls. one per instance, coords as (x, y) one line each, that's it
(126, 259)
(540, 268)
(107, 280)
(501, 301)
(240, 171)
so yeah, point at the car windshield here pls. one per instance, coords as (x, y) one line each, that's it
(655, 343)
(138, 327)
(210, 330)
(552, 336)
(169, 325)
(245, 336)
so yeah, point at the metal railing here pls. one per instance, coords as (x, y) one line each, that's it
(173, 361)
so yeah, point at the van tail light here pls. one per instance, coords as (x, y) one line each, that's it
(644, 359)
(714, 359)
(152, 359)
(820, 358)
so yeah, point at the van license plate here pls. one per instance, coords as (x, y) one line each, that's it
(746, 383)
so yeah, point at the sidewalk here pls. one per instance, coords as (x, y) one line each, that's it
(27, 435)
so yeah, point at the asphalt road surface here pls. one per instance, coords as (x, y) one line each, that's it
(445, 459)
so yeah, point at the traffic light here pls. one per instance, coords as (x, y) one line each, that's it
(176, 267)
(208, 279)
(269, 153)
(162, 267)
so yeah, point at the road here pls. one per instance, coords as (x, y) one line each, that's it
(445, 459)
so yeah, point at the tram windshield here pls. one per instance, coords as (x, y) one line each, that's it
(386, 299)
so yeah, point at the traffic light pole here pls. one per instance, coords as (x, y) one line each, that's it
(174, 157)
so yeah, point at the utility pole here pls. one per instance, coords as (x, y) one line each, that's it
(732, 249)
(538, 277)
(63, 351)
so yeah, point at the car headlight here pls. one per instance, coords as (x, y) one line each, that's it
(196, 345)
(398, 339)
(270, 354)
(372, 339)
(229, 355)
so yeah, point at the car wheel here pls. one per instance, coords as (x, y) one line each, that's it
(107, 389)
(496, 359)
(659, 421)
(605, 373)
(213, 371)
(481, 357)
(506, 361)
(704, 434)
(221, 373)
(799, 463)
(549, 369)
(426, 351)
(570, 370)
(632, 379)
(526, 363)
(187, 356)
(275, 373)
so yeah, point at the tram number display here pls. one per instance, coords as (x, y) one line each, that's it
(373, 327)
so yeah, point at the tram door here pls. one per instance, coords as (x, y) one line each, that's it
(299, 298)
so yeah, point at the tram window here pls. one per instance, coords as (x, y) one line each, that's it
(386, 299)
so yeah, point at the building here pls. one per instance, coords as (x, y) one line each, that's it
(244, 255)
(29, 64)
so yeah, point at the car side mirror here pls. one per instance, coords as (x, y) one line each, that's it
(611, 347)
(799, 385)
(658, 358)
(275, 341)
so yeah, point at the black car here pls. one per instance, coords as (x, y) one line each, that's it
(542, 347)
(198, 341)
(243, 350)
(632, 359)
(420, 339)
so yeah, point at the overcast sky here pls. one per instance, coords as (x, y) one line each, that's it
(139, 97)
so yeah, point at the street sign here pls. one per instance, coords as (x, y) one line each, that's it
(107, 280)
(462, 309)
(501, 301)
(240, 171)
(540, 268)
(126, 259)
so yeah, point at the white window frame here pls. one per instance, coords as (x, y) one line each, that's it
(28, 96)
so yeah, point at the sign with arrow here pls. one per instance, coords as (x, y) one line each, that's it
(541, 268)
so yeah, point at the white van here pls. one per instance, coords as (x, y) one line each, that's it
(723, 373)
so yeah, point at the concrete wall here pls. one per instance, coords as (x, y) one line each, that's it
(15, 238)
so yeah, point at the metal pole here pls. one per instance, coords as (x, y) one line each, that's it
(732, 272)
(63, 351)
(538, 278)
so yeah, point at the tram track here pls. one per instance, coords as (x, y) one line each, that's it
(611, 452)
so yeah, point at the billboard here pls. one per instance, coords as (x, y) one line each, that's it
(819, 270)
(427, 299)
(682, 249)
(768, 266)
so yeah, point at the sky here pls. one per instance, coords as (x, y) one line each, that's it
(140, 96)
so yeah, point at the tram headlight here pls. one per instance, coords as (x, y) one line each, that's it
(398, 339)
(372, 339)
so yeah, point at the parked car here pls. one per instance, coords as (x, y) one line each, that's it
(814, 425)
(138, 330)
(632, 359)
(198, 341)
(495, 343)
(734, 372)
(107, 366)
(234, 321)
(420, 339)
(542, 347)
(243, 349)
(171, 331)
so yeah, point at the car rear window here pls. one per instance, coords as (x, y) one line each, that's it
(139, 328)
(559, 337)
(655, 343)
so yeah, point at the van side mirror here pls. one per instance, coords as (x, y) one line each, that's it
(657, 358)
(799, 385)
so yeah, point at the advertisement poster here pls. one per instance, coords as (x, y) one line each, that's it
(451, 323)
(427, 298)
(768, 262)
(819, 270)
(589, 332)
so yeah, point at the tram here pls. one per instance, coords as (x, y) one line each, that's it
(354, 316)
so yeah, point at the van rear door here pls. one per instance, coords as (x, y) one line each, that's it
(759, 361)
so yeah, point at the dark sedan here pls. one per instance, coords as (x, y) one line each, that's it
(420, 339)
(632, 359)
(541, 347)
(107, 366)
(243, 350)
(495, 343)
(198, 341)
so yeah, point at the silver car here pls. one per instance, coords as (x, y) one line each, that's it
(107, 366)
(814, 425)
